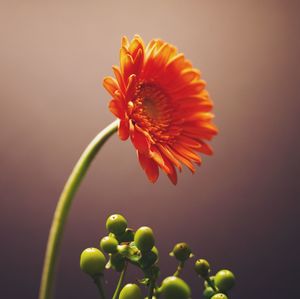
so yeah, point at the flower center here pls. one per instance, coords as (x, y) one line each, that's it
(152, 111)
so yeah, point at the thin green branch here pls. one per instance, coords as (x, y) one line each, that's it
(120, 282)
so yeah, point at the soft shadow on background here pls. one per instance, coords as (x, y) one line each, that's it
(240, 210)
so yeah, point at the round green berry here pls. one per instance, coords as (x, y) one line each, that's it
(202, 267)
(208, 292)
(182, 251)
(144, 239)
(219, 296)
(224, 280)
(109, 244)
(116, 224)
(174, 287)
(131, 291)
(92, 261)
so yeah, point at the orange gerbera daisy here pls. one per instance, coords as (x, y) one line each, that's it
(162, 105)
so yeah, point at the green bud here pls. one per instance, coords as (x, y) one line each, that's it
(131, 291)
(219, 296)
(116, 224)
(202, 267)
(144, 239)
(182, 252)
(92, 261)
(175, 288)
(224, 280)
(109, 244)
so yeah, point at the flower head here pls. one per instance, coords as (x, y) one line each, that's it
(162, 105)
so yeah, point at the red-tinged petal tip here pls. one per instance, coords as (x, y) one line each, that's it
(149, 166)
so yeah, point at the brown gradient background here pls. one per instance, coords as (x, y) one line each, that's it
(240, 210)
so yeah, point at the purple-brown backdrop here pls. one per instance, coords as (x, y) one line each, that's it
(240, 210)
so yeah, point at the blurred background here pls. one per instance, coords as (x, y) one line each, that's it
(240, 210)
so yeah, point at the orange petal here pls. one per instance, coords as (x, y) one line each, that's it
(111, 85)
(190, 75)
(203, 116)
(126, 63)
(190, 89)
(187, 141)
(182, 159)
(173, 175)
(157, 157)
(185, 152)
(207, 127)
(138, 62)
(169, 155)
(116, 107)
(135, 46)
(177, 64)
(149, 166)
(202, 106)
(119, 77)
(131, 87)
(201, 128)
(164, 53)
(171, 172)
(125, 42)
(123, 129)
(139, 140)
(205, 148)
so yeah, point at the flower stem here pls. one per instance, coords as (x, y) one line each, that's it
(64, 205)
(97, 281)
(120, 282)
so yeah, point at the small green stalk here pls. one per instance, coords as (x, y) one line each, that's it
(179, 269)
(120, 282)
(64, 205)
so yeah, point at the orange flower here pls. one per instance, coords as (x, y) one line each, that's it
(162, 105)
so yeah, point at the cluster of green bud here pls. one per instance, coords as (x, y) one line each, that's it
(124, 245)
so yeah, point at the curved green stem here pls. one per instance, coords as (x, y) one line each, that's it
(120, 282)
(64, 205)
